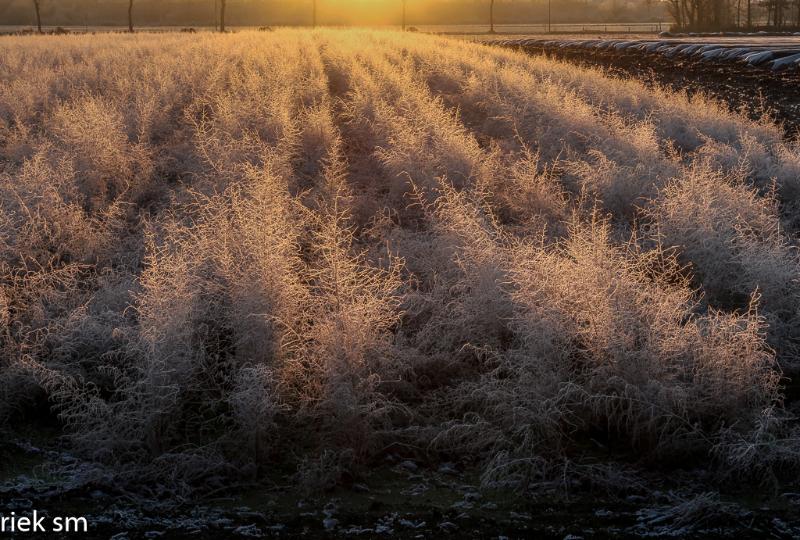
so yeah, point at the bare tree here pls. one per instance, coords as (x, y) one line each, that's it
(222, 7)
(130, 16)
(37, 7)
(491, 16)
(702, 15)
(673, 7)
(780, 9)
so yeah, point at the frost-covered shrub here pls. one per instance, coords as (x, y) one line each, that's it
(221, 252)
(733, 240)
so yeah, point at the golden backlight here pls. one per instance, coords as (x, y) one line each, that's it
(369, 12)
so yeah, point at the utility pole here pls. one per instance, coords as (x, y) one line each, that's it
(491, 16)
(222, 16)
(130, 16)
(36, 6)
(549, 16)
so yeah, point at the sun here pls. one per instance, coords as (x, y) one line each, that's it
(368, 12)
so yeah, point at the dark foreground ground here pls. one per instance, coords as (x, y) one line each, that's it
(397, 499)
(754, 90)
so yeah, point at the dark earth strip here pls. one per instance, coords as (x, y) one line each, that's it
(397, 499)
(753, 90)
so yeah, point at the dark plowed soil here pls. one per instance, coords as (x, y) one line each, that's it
(750, 89)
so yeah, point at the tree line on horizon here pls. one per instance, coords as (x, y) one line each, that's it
(717, 15)
(697, 15)
(224, 13)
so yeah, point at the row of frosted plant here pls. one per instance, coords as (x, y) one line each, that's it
(220, 255)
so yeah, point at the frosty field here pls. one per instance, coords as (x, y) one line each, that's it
(289, 258)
